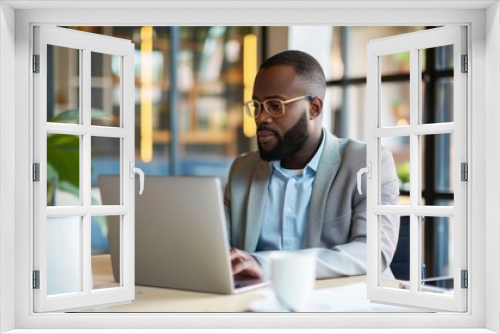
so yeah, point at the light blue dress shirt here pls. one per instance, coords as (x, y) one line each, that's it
(287, 209)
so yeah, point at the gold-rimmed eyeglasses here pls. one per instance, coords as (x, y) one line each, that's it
(274, 107)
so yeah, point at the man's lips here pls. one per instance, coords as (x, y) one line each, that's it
(266, 136)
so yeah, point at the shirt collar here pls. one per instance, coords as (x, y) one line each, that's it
(312, 165)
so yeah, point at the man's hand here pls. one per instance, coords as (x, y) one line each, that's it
(244, 264)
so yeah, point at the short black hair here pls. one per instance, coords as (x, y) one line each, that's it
(305, 66)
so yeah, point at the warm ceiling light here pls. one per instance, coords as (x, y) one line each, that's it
(146, 94)
(249, 73)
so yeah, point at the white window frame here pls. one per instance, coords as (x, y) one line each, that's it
(414, 43)
(85, 44)
(483, 311)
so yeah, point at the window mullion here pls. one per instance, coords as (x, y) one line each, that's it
(85, 168)
(66, 211)
(401, 210)
(433, 129)
(109, 132)
(415, 171)
(420, 129)
(127, 185)
(108, 210)
(85, 150)
(67, 129)
(373, 99)
(422, 210)
(434, 211)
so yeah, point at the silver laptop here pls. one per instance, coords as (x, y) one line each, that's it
(180, 235)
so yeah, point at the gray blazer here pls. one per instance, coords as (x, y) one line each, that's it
(337, 215)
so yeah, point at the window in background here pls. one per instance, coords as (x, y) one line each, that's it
(210, 96)
(209, 86)
(348, 73)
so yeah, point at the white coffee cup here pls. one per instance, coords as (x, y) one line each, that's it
(293, 276)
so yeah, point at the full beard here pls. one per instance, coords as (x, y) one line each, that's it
(288, 144)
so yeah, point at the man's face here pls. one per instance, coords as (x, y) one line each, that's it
(280, 138)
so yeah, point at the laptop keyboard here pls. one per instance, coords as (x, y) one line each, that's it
(244, 282)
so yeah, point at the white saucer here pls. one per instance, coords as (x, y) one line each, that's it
(345, 299)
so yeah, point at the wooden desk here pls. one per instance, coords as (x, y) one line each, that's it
(148, 299)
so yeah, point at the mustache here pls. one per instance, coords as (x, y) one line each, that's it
(266, 128)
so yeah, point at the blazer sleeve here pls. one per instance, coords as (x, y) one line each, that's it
(350, 258)
(236, 197)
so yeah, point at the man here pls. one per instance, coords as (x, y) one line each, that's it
(299, 190)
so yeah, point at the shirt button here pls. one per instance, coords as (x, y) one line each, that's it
(288, 211)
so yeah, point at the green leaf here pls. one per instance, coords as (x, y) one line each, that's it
(63, 152)
(64, 157)
(403, 171)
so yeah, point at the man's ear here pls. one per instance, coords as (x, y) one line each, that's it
(316, 107)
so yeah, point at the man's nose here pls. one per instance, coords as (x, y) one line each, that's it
(263, 117)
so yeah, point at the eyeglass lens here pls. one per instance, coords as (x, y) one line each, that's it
(273, 107)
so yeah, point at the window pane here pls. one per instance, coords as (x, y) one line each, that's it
(63, 170)
(437, 85)
(395, 104)
(400, 265)
(441, 57)
(64, 246)
(400, 150)
(397, 63)
(105, 89)
(444, 57)
(444, 101)
(102, 270)
(210, 96)
(63, 85)
(348, 111)
(437, 167)
(105, 161)
(437, 254)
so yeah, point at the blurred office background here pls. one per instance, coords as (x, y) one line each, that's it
(190, 121)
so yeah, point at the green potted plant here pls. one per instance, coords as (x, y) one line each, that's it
(63, 154)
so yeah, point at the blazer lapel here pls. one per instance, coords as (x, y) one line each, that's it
(256, 204)
(327, 170)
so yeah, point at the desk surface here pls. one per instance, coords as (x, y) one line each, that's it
(149, 299)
